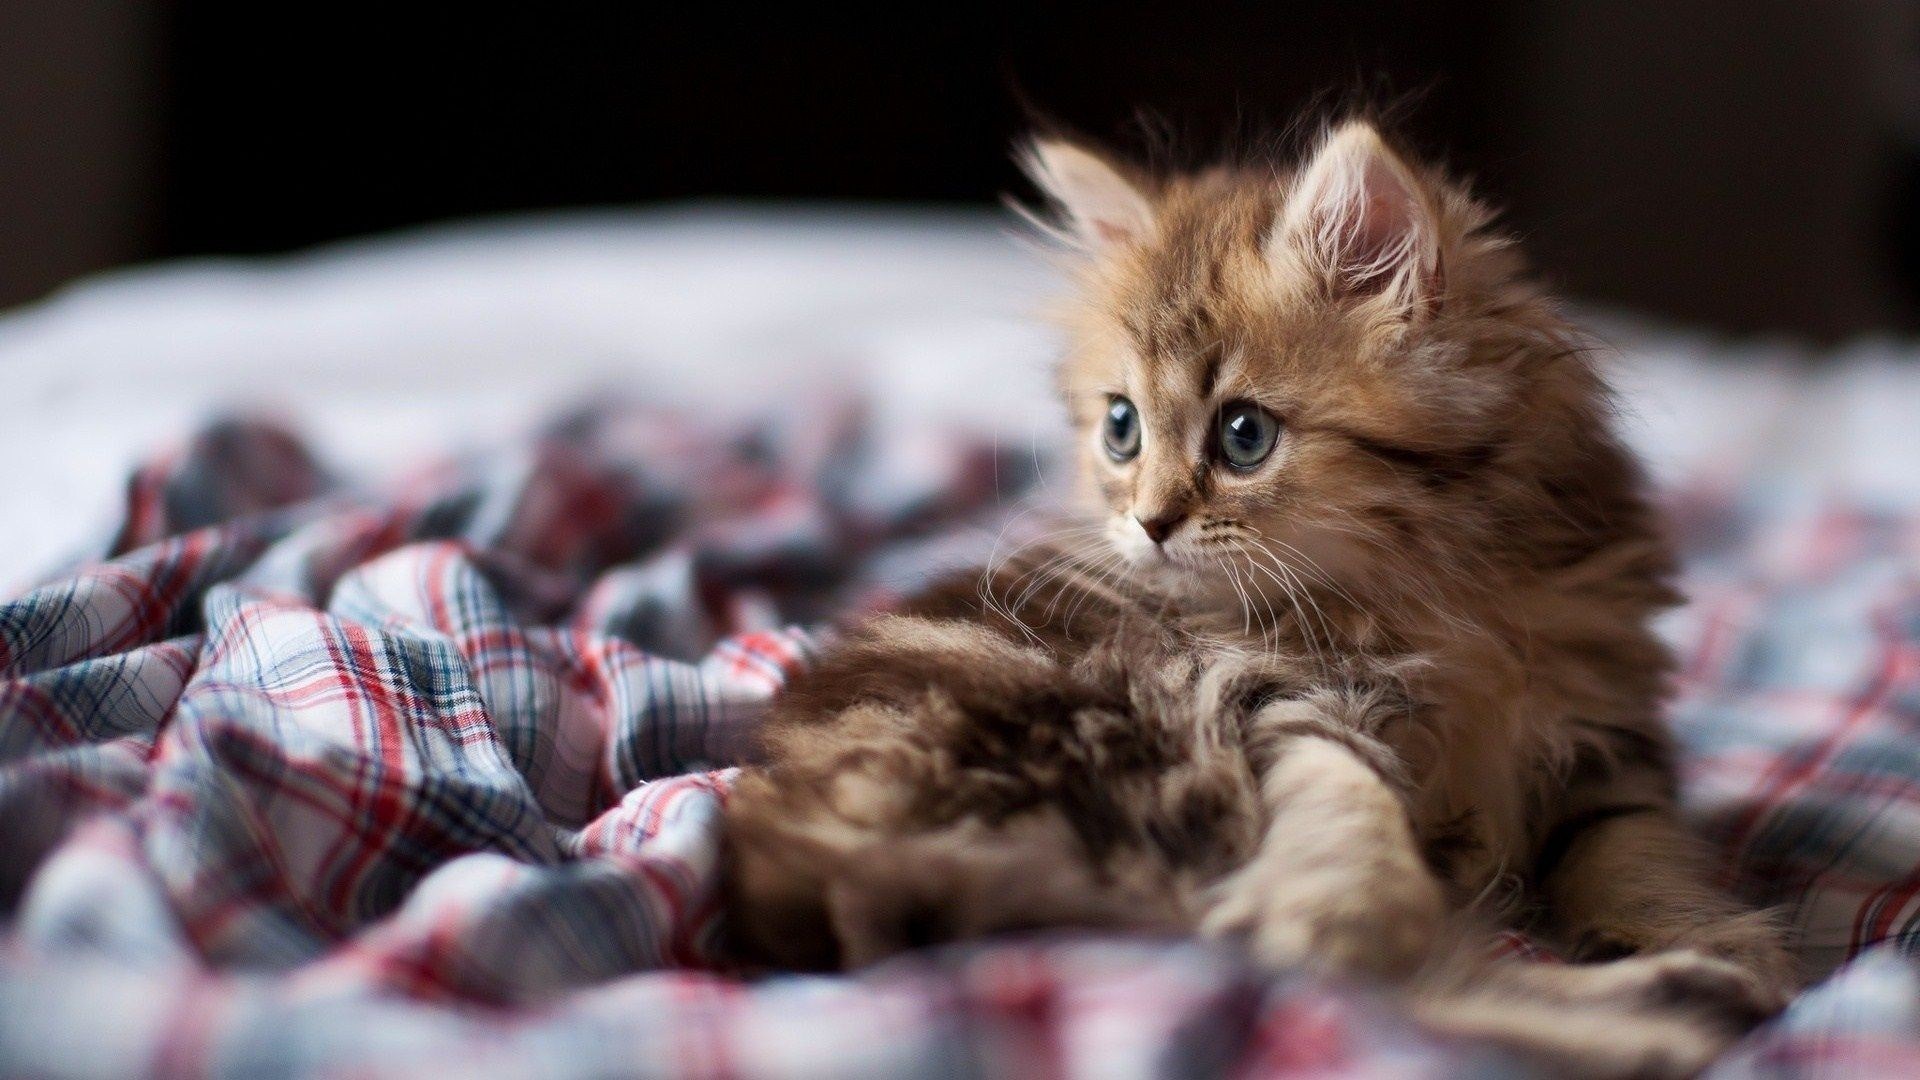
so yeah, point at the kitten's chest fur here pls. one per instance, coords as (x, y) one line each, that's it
(1046, 749)
(1484, 719)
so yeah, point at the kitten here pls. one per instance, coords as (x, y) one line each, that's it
(1355, 639)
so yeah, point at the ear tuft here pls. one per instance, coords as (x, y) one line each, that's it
(1359, 215)
(1101, 206)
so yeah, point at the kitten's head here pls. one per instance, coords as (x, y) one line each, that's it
(1337, 362)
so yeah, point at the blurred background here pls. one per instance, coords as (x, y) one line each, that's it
(1748, 165)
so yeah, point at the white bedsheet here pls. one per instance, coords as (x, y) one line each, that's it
(383, 350)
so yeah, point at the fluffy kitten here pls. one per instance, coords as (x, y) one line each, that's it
(1357, 639)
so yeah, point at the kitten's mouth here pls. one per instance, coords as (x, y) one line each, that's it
(1140, 554)
(1161, 565)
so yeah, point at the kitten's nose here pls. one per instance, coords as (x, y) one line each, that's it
(1159, 527)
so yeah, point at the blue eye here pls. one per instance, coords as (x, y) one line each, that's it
(1120, 431)
(1247, 434)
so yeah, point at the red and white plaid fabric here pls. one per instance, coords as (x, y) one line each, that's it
(301, 779)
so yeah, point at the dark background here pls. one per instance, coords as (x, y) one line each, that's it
(1748, 164)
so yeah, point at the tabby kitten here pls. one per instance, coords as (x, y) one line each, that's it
(1353, 638)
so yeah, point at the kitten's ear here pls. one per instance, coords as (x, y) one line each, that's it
(1101, 205)
(1358, 215)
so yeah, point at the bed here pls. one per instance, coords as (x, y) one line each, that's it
(379, 627)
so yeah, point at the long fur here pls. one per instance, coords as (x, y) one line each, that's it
(1395, 680)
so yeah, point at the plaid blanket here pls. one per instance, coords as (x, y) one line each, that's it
(302, 778)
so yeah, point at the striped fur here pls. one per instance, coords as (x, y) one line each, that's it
(1398, 673)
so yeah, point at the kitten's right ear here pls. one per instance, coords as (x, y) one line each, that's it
(1102, 207)
(1359, 215)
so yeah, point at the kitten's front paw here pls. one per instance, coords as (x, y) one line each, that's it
(1736, 969)
(1735, 996)
(1381, 924)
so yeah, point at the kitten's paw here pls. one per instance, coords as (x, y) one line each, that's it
(1598, 1041)
(1378, 924)
(1727, 993)
(1681, 981)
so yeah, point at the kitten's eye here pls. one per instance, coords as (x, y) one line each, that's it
(1247, 434)
(1121, 431)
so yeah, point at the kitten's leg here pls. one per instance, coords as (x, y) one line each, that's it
(1591, 1039)
(1657, 1014)
(1685, 969)
(1338, 881)
(1624, 881)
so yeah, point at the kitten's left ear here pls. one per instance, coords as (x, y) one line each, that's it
(1101, 204)
(1359, 217)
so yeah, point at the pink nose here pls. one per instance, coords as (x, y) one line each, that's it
(1158, 528)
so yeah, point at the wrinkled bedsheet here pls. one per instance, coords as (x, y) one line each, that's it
(300, 777)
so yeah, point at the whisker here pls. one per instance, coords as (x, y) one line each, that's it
(1228, 570)
(1036, 574)
(1319, 643)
